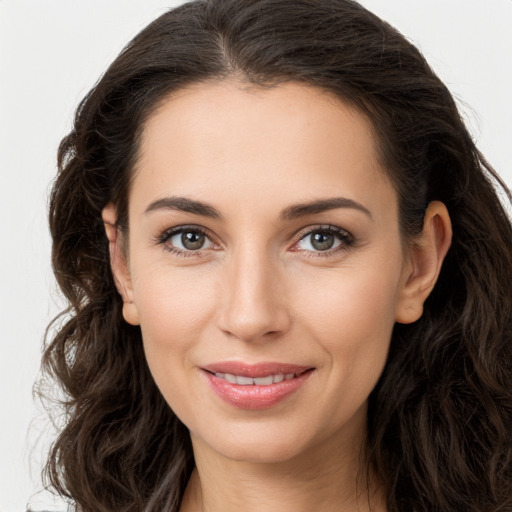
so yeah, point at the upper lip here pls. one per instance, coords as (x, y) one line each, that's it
(255, 370)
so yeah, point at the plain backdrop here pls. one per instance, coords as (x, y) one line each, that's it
(52, 52)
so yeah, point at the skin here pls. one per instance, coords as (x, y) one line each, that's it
(259, 290)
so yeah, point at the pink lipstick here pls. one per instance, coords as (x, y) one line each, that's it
(255, 386)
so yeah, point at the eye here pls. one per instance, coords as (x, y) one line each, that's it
(186, 240)
(190, 240)
(324, 240)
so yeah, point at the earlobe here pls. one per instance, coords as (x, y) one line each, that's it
(119, 265)
(426, 256)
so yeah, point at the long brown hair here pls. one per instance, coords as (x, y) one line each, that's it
(440, 417)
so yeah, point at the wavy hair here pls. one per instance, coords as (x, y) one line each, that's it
(440, 417)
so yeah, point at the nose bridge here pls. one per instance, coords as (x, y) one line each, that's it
(255, 304)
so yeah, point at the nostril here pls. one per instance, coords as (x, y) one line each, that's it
(258, 326)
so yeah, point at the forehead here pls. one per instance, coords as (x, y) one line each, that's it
(291, 142)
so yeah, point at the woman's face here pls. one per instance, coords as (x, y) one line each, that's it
(263, 244)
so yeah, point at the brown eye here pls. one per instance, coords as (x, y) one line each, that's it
(187, 240)
(324, 240)
(192, 240)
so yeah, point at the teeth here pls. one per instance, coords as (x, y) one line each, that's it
(244, 381)
(256, 381)
(230, 378)
(263, 381)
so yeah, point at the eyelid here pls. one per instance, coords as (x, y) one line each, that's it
(167, 234)
(346, 238)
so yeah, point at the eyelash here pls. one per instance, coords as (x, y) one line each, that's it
(346, 240)
(167, 235)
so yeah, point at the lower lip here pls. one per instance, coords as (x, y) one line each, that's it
(253, 396)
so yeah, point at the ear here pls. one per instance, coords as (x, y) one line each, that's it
(119, 264)
(426, 255)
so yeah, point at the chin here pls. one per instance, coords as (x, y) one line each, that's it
(262, 444)
(260, 453)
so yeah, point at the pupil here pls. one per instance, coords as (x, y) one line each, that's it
(322, 241)
(192, 240)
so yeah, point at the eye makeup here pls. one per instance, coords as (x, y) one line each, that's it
(187, 241)
(322, 240)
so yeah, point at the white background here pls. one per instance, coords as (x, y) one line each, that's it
(53, 51)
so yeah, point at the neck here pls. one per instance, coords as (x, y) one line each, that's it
(318, 479)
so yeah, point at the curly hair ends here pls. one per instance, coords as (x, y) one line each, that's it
(439, 419)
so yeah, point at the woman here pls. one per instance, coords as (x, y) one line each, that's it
(288, 273)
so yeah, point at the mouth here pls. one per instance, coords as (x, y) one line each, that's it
(259, 386)
(242, 380)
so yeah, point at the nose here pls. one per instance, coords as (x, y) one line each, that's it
(253, 298)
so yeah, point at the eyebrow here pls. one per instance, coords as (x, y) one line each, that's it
(320, 206)
(296, 211)
(184, 204)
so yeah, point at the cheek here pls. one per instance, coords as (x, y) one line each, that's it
(173, 297)
(173, 306)
(350, 320)
(350, 314)
(351, 300)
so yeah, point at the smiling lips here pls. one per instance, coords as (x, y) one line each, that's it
(255, 386)
(256, 381)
